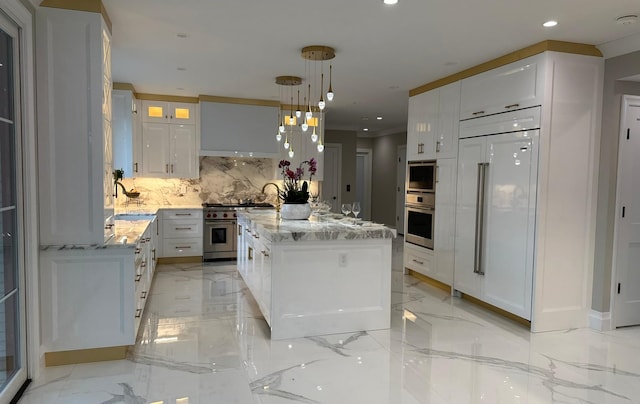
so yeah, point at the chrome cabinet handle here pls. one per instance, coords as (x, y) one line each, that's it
(184, 228)
(167, 168)
(418, 262)
(143, 264)
(182, 214)
(511, 106)
(135, 167)
(138, 277)
(183, 247)
(138, 249)
(438, 146)
(266, 254)
(480, 197)
(143, 295)
(478, 113)
(138, 313)
(171, 168)
(437, 174)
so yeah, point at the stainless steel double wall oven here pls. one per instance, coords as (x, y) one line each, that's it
(420, 203)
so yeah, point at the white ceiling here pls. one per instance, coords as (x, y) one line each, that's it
(237, 48)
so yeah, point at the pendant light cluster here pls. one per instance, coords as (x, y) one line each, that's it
(314, 110)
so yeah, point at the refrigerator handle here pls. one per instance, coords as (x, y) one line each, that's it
(477, 259)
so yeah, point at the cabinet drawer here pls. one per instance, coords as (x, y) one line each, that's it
(186, 247)
(184, 228)
(169, 214)
(419, 260)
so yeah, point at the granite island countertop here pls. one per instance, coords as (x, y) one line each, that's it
(330, 226)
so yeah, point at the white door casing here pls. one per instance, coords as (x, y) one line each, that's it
(363, 182)
(626, 268)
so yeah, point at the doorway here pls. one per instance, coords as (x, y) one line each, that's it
(331, 184)
(363, 182)
(626, 272)
(401, 172)
(13, 228)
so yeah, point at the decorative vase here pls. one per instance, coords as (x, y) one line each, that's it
(295, 211)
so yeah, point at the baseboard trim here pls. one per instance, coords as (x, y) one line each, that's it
(429, 281)
(85, 355)
(600, 321)
(180, 260)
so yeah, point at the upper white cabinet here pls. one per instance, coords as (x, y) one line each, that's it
(74, 125)
(169, 112)
(432, 130)
(238, 130)
(169, 151)
(169, 141)
(514, 86)
(127, 139)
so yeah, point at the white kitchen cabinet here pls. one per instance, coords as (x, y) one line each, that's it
(176, 113)
(511, 87)
(432, 130)
(169, 151)
(445, 216)
(181, 232)
(75, 181)
(127, 139)
(560, 249)
(420, 259)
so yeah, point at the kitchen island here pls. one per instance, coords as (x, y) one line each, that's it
(320, 276)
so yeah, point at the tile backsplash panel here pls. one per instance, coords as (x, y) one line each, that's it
(222, 179)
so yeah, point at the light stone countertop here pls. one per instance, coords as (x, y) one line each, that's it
(127, 232)
(325, 227)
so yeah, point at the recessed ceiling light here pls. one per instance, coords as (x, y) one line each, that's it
(182, 69)
(179, 88)
(379, 118)
(627, 19)
(550, 23)
(451, 63)
(365, 118)
(366, 129)
(390, 2)
(181, 35)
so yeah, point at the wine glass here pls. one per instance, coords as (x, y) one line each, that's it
(346, 209)
(355, 208)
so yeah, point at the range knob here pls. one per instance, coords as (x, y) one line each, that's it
(234, 215)
(208, 214)
(225, 215)
(214, 215)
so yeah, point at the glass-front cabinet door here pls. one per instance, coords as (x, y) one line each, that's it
(12, 312)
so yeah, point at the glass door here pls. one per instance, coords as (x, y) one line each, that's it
(12, 310)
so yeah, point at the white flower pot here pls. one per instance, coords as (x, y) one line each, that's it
(295, 211)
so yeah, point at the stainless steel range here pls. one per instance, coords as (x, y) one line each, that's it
(219, 229)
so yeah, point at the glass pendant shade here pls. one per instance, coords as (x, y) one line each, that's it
(304, 126)
(298, 113)
(314, 136)
(320, 147)
(330, 92)
(330, 95)
(308, 115)
(291, 153)
(281, 128)
(286, 144)
(278, 137)
(321, 104)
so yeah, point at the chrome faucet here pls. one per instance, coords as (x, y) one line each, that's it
(278, 197)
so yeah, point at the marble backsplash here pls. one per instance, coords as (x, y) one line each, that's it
(222, 180)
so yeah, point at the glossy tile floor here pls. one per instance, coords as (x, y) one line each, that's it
(204, 341)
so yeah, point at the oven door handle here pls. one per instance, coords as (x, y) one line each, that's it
(480, 201)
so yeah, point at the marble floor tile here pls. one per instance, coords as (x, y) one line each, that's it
(203, 340)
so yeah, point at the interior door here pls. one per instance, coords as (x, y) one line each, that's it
(509, 221)
(12, 295)
(627, 281)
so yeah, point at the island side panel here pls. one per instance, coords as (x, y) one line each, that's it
(330, 287)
